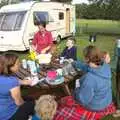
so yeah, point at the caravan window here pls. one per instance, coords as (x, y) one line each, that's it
(61, 15)
(40, 16)
(11, 21)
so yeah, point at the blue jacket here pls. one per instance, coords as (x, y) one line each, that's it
(95, 92)
(70, 53)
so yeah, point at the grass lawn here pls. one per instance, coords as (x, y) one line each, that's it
(98, 26)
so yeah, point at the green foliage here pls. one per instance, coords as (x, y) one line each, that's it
(99, 9)
(3, 3)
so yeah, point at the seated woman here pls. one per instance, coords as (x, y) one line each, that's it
(12, 105)
(70, 51)
(94, 92)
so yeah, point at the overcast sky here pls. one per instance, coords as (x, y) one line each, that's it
(80, 1)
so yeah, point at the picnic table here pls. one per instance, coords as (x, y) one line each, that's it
(42, 73)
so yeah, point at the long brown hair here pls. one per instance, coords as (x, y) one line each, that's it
(8, 60)
(2, 59)
(93, 54)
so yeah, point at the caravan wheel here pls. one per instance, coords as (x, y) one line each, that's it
(58, 39)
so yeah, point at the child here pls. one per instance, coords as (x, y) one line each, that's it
(70, 51)
(45, 108)
(48, 109)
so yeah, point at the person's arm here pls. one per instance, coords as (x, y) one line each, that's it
(81, 65)
(34, 42)
(46, 49)
(16, 95)
(25, 82)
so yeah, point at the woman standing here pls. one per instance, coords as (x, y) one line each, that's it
(43, 40)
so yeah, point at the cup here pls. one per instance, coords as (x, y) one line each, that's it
(32, 67)
(59, 72)
(61, 60)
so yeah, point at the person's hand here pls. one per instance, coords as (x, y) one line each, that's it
(107, 58)
(26, 82)
(43, 51)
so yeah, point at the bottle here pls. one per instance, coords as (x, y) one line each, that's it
(32, 67)
(24, 63)
(33, 71)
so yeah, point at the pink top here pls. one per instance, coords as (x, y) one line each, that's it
(42, 40)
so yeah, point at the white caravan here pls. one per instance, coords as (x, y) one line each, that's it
(17, 22)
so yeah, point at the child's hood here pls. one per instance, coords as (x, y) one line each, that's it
(103, 70)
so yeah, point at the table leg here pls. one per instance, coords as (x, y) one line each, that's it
(66, 89)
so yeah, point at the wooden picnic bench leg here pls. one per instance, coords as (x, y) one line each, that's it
(66, 89)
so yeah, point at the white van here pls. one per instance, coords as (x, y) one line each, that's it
(17, 22)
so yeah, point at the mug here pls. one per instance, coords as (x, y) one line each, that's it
(59, 72)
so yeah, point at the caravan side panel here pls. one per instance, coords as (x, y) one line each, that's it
(13, 21)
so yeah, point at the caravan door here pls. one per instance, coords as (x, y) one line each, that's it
(67, 20)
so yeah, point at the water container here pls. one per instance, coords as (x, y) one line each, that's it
(24, 63)
(32, 67)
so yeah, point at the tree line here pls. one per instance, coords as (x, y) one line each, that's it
(99, 9)
(96, 9)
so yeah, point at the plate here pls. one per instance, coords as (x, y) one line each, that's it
(57, 81)
(44, 58)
